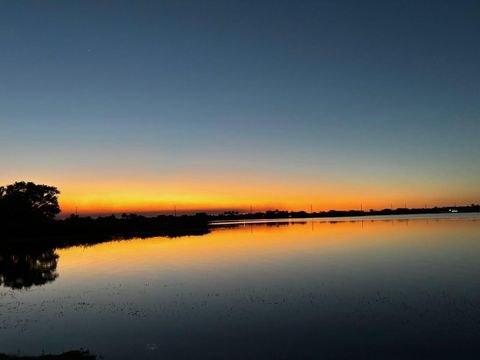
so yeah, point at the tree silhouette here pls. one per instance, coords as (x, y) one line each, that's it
(28, 202)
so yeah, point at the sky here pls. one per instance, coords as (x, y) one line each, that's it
(140, 106)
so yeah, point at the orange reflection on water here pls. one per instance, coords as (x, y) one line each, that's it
(249, 244)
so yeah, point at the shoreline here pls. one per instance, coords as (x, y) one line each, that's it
(85, 231)
(374, 217)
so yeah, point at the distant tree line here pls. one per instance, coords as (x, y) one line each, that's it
(284, 214)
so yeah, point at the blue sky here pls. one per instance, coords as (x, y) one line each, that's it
(376, 91)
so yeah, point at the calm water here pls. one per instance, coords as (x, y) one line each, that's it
(393, 287)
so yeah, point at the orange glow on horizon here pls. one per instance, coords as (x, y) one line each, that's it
(224, 191)
(236, 195)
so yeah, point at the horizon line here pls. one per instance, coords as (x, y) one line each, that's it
(176, 211)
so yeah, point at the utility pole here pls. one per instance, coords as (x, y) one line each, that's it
(175, 210)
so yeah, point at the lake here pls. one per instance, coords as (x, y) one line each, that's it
(396, 287)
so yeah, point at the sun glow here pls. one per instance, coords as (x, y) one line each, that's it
(186, 197)
(101, 193)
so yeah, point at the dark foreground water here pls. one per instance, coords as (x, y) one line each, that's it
(393, 287)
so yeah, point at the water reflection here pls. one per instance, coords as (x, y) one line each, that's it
(24, 269)
(296, 289)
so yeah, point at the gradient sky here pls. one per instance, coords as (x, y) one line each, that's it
(141, 105)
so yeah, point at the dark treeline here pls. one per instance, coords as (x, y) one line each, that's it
(76, 230)
(283, 214)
